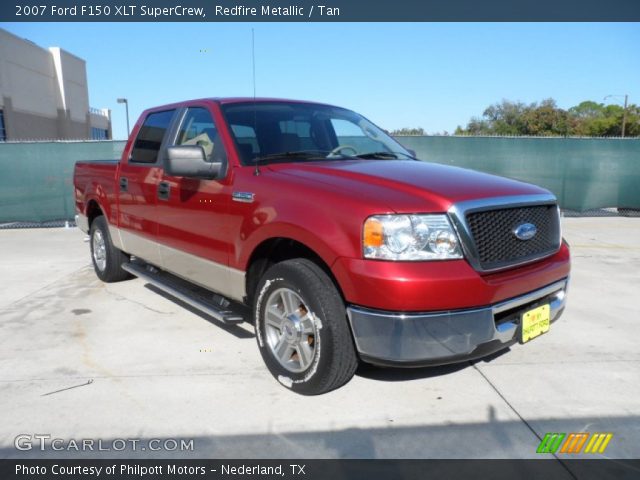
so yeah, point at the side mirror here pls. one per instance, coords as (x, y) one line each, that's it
(411, 152)
(190, 161)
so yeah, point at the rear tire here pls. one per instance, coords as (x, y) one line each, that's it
(302, 330)
(107, 260)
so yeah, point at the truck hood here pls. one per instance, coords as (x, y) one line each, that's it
(407, 185)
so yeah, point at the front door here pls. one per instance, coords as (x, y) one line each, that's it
(193, 229)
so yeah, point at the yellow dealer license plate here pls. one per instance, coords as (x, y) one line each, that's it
(535, 322)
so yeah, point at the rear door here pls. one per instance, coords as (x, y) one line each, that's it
(193, 229)
(139, 177)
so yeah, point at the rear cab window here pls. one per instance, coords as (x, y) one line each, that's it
(149, 139)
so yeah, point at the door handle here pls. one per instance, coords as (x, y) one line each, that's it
(164, 189)
(124, 184)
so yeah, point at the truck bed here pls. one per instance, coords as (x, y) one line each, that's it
(96, 178)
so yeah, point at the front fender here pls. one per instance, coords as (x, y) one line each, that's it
(325, 240)
(322, 217)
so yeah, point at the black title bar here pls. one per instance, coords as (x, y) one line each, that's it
(320, 11)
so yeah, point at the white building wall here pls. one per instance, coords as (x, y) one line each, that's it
(44, 92)
(27, 76)
(101, 119)
(71, 79)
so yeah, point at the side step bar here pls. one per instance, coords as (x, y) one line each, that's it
(180, 289)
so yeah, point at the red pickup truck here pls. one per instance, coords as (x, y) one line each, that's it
(335, 241)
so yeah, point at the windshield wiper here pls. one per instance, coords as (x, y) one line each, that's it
(382, 155)
(299, 155)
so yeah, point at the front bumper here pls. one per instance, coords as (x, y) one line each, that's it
(438, 338)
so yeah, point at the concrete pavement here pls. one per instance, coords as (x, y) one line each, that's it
(80, 359)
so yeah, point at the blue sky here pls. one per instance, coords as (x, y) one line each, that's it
(430, 75)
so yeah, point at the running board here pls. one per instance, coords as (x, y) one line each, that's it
(188, 293)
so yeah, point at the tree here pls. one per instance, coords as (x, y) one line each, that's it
(545, 119)
(476, 126)
(587, 109)
(505, 118)
(409, 131)
(633, 121)
(597, 119)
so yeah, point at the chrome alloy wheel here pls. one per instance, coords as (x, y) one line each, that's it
(99, 250)
(290, 330)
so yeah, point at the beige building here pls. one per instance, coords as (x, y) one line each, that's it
(44, 94)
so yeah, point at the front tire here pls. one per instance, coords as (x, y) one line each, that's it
(302, 329)
(107, 260)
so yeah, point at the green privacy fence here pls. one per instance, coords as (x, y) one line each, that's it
(36, 178)
(584, 173)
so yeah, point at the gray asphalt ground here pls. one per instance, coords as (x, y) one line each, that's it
(80, 359)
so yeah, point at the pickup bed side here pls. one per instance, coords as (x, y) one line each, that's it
(95, 190)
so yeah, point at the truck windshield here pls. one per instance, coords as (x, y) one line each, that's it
(292, 132)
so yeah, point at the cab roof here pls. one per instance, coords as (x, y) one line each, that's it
(232, 100)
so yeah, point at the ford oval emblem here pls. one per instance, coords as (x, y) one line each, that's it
(525, 231)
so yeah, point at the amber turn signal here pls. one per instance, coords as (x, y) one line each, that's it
(373, 235)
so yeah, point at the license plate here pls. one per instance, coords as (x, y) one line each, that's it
(535, 322)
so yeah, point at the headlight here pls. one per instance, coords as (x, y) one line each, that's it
(410, 237)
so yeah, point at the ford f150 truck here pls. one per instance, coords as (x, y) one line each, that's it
(334, 240)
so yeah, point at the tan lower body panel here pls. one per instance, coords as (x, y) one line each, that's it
(214, 276)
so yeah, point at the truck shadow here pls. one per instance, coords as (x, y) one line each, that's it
(235, 330)
(398, 374)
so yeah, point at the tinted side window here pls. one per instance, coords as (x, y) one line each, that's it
(197, 128)
(147, 145)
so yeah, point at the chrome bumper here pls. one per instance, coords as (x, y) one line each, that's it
(438, 338)
(82, 222)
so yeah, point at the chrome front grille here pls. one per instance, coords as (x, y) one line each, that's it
(487, 227)
(498, 246)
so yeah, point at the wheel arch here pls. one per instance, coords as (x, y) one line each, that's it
(93, 211)
(277, 249)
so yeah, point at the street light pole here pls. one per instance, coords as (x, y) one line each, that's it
(126, 106)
